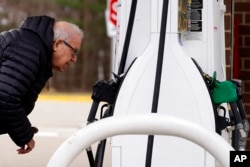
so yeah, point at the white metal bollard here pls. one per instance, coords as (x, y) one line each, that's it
(150, 124)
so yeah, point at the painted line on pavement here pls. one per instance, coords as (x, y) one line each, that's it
(65, 97)
(47, 134)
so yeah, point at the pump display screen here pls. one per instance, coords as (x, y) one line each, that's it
(196, 4)
(196, 16)
(190, 15)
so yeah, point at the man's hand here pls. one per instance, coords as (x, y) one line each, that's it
(27, 147)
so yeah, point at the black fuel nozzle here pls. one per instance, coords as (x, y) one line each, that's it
(104, 91)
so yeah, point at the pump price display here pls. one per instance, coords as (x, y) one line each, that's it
(239, 158)
(196, 15)
(197, 4)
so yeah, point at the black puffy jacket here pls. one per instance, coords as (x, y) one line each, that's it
(25, 67)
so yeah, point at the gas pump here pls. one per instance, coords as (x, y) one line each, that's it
(176, 88)
(166, 37)
(165, 52)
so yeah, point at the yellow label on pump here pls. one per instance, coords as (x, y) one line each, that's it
(183, 15)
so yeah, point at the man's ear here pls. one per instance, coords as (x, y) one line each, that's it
(56, 44)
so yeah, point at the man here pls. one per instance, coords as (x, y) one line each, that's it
(27, 56)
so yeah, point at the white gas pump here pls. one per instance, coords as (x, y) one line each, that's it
(163, 79)
(162, 48)
(202, 38)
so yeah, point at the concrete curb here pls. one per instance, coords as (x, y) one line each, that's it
(65, 97)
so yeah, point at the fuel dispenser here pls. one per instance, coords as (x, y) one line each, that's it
(162, 46)
(168, 61)
(164, 80)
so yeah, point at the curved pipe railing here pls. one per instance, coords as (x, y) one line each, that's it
(150, 124)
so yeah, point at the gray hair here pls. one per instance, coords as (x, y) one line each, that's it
(60, 30)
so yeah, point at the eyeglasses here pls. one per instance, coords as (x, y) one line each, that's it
(75, 51)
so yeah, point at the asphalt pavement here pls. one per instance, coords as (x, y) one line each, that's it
(57, 118)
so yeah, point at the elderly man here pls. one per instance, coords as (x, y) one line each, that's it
(27, 56)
